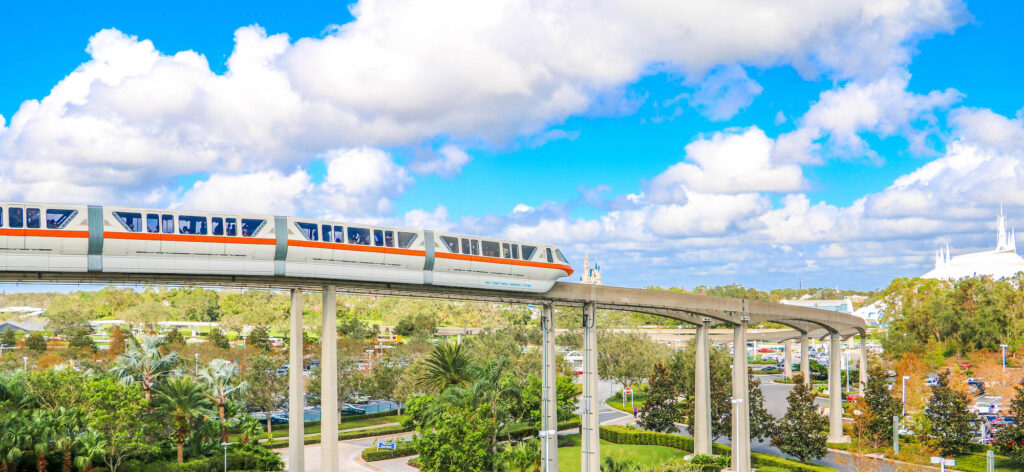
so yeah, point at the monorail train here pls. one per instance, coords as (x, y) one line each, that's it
(80, 238)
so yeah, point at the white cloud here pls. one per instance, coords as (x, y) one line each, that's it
(436, 220)
(724, 92)
(446, 162)
(362, 180)
(736, 161)
(260, 192)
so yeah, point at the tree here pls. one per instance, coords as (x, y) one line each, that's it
(259, 337)
(91, 447)
(36, 342)
(67, 425)
(220, 379)
(116, 411)
(801, 431)
(875, 423)
(682, 367)
(522, 457)
(447, 365)
(661, 411)
(54, 389)
(627, 357)
(266, 389)
(762, 423)
(1010, 439)
(460, 440)
(145, 364)
(15, 439)
(81, 338)
(175, 337)
(950, 420)
(218, 339)
(184, 402)
(117, 344)
(8, 338)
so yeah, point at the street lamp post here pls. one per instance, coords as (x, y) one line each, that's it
(24, 362)
(225, 444)
(905, 379)
(197, 364)
(1004, 346)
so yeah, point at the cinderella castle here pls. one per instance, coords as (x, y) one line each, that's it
(591, 274)
(1003, 262)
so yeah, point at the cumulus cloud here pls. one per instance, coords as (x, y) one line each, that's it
(446, 162)
(723, 93)
(258, 192)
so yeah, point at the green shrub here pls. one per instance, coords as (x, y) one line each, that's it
(404, 449)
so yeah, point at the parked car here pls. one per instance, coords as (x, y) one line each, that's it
(985, 408)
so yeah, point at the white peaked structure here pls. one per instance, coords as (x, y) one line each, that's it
(590, 275)
(1000, 263)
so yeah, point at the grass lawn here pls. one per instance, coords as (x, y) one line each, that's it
(569, 457)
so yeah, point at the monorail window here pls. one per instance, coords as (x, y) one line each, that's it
(378, 237)
(339, 234)
(17, 218)
(1, 216)
(405, 239)
(217, 226)
(192, 224)
(549, 255)
(465, 245)
(359, 236)
(558, 253)
(251, 226)
(389, 238)
(152, 223)
(451, 243)
(33, 218)
(167, 224)
(308, 231)
(325, 233)
(490, 249)
(506, 250)
(515, 251)
(131, 221)
(474, 246)
(528, 252)
(58, 219)
(230, 226)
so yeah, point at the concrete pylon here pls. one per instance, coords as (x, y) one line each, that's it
(835, 391)
(702, 392)
(590, 454)
(329, 381)
(296, 388)
(740, 400)
(805, 359)
(549, 393)
(863, 363)
(787, 368)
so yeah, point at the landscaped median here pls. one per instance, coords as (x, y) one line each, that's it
(362, 433)
(404, 449)
(625, 435)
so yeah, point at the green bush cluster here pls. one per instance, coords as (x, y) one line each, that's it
(344, 435)
(247, 459)
(404, 449)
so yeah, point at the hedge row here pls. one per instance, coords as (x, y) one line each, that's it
(404, 449)
(624, 435)
(520, 432)
(343, 420)
(344, 435)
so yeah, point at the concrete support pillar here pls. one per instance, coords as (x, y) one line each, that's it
(740, 400)
(805, 359)
(787, 368)
(863, 363)
(590, 458)
(702, 392)
(329, 381)
(549, 394)
(835, 391)
(296, 388)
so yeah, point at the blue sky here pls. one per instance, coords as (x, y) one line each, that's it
(680, 144)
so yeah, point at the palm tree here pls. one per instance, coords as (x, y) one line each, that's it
(612, 465)
(447, 366)
(219, 377)
(522, 457)
(144, 363)
(67, 426)
(92, 446)
(15, 437)
(43, 432)
(184, 401)
(12, 389)
(249, 426)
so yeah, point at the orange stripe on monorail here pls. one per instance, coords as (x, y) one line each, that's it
(495, 260)
(45, 233)
(188, 238)
(356, 247)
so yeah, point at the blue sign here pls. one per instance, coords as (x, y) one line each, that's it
(384, 445)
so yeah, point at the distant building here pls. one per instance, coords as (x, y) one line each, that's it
(1001, 263)
(590, 275)
(839, 306)
(24, 326)
(871, 313)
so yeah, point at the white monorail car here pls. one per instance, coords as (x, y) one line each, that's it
(79, 238)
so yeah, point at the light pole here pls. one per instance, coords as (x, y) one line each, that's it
(225, 444)
(197, 364)
(1004, 346)
(24, 362)
(846, 359)
(905, 379)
